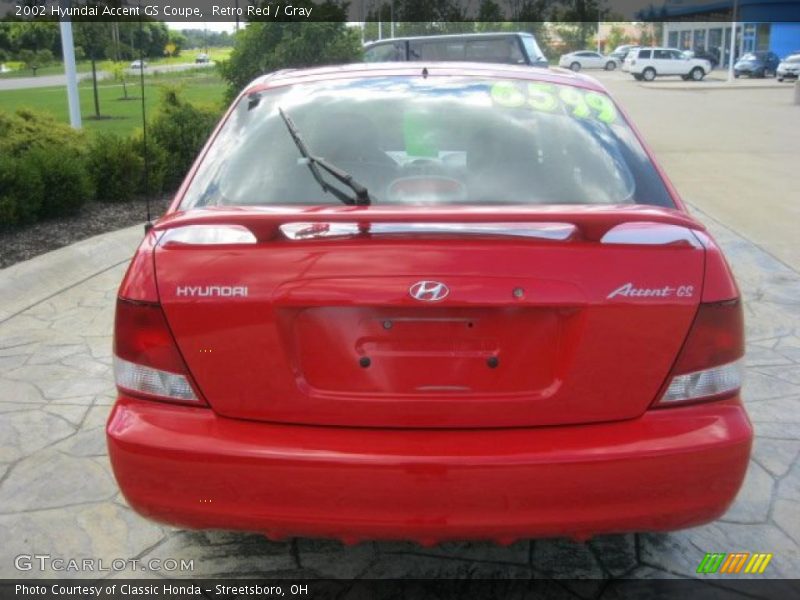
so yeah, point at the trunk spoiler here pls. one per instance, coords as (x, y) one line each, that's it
(631, 224)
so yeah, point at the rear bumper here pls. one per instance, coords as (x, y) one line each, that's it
(669, 469)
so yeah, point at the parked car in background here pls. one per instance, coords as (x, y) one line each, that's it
(138, 64)
(202, 59)
(756, 64)
(708, 55)
(649, 63)
(620, 52)
(484, 314)
(508, 48)
(626, 62)
(789, 68)
(587, 59)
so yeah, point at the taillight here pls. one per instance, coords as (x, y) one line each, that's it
(709, 365)
(147, 362)
(146, 359)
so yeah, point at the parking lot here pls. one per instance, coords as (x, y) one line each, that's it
(732, 153)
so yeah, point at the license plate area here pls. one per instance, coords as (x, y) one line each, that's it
(410, 351)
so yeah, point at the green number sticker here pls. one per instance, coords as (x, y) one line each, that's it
(574, 99)
(542, 96)
(606, 111)
(548, 97)
(507, 94)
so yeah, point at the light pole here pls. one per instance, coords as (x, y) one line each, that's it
(599, 21)
(68, 53)
(733, 42)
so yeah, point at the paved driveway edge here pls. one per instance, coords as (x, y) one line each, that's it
(27, 283)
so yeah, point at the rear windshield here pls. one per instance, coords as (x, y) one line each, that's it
(429, 141)
(494, 50)
(532, 48)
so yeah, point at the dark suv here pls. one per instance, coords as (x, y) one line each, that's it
(756, 64)
(509, 48)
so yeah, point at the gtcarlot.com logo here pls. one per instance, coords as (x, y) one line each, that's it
(46, 562)
(734, 563)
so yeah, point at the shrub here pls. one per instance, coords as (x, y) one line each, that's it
(26, 129)
(180, 129)
(115, 164)
(156, 164)
(21, 191)
(67, 185)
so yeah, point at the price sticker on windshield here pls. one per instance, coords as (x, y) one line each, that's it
(549, 97)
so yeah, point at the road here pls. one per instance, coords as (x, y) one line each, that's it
(732, 153)
(19, 83)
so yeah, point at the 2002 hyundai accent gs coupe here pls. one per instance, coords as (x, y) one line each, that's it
(451, 302)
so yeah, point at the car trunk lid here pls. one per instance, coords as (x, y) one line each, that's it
(337, 317)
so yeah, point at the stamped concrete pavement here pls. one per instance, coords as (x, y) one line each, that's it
(58, 496)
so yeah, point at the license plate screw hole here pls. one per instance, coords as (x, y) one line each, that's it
(364, 361)
(492, 362)
(387, 324)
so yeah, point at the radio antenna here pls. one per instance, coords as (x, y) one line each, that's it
(149, 223)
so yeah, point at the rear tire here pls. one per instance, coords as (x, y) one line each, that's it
(780, 79)
(697, 74)
(649, 74)
(611, 65)
(576, 66)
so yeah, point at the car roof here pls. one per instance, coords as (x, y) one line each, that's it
(450, 69)
(448, 36)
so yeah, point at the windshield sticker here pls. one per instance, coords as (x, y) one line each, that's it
(548, 97)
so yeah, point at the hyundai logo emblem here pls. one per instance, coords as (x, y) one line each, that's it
(429, 291)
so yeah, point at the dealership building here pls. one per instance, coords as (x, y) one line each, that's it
(706, 25)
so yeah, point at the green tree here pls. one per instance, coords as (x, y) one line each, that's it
(177, 41)
(616, 37)
(578, 22)
(264, 47)
(95, 40)
(35, 59)
(6, 46)
(489, 12)
(36, 35)
(119, 72)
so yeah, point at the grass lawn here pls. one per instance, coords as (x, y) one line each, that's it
(126, 115)
(84, 66)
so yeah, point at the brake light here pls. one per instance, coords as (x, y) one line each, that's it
(709, 366)
(147, 362)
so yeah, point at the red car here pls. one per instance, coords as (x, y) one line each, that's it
(428, 302)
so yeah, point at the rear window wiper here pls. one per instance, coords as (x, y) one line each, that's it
(315, 163)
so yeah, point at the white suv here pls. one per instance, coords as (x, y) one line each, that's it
(649, 63)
